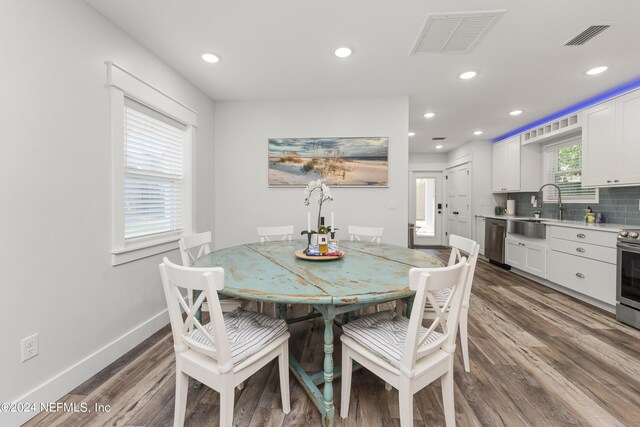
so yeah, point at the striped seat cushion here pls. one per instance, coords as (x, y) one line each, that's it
(248, 332)
(385, 333)
(441, 297)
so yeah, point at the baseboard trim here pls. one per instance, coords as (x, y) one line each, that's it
(59, 385)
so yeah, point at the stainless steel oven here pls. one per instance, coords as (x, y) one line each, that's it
(628, 280)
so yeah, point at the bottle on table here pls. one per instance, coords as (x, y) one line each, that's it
(323, 239)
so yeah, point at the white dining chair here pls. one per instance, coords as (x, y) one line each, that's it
(460, 246)
(196, 246)
(225, 352)
(266, 234)
(374, 233)
(401, 351)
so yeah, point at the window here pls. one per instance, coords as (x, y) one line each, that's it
(154, 172)
(151, 137)
(563, 167)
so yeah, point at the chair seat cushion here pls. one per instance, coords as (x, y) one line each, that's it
(441, 297)
(385, 333)
(248, 332)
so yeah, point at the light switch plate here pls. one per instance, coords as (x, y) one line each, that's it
(392, 204)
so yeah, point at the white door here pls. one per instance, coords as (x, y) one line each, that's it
(458, 205)
(425, 210)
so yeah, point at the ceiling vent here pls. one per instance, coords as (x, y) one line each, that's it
(453, 32)
(586, 35)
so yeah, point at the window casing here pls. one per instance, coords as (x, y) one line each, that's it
(152, 138)
(563, 167)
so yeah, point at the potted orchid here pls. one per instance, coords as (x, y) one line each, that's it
(323, 195)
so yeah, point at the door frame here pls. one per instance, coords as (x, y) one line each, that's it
(439, 223)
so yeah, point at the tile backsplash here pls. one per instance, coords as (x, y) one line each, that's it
(617, 205)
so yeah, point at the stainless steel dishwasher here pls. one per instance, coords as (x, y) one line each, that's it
(495, 233)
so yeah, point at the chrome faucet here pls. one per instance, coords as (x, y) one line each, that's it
(560, 207)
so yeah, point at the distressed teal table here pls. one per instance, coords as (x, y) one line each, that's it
(367, 275)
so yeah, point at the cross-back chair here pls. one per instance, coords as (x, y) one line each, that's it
(356, 232)
(225, 352)
(401, 351)
(266, 234)
(460, 247)
(196, 246)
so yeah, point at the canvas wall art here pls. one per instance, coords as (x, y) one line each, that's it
(347, 162)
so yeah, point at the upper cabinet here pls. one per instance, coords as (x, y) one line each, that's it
(611, 142)
(516, 167)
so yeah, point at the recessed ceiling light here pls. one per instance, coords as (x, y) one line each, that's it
(468, 75)
(429, 115)
(516, 112)
(438, 147)
(412, 134)
(210, 58)
(478, 132)
(343, 52)
(597, 70)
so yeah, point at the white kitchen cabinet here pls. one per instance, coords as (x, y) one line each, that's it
(479, 235)
(526, 256)
(584, 261)
(611, 142)
(595, 279)
(516, 167)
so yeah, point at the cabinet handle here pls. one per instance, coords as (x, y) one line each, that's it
(580, 235)
(608, 181)
(616, 180)
(580, 275)
(580, 249)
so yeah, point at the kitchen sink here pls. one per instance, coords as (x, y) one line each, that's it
(532, 228)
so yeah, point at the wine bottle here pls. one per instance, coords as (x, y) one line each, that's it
(323, 239)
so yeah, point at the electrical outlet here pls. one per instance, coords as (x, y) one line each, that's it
(29, 346)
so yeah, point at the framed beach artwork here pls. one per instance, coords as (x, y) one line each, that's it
(342, 162)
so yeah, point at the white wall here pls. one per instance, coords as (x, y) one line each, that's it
(57, 278)
(243, 198)
(427, 162)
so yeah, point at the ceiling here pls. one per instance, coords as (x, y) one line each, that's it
(284, 50)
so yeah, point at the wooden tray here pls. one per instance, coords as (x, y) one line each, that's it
(300, 254)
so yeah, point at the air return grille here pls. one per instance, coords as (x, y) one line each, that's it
(453, 32)
(586, 35)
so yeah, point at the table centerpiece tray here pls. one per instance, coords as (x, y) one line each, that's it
(302, 255)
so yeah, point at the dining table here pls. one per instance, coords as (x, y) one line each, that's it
(367, 274)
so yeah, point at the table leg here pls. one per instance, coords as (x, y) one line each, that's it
(329, 408)
(282, 310)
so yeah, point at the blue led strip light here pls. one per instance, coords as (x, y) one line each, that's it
(619, 90)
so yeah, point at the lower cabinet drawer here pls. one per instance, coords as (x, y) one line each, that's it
(589, 277)
(599, 253)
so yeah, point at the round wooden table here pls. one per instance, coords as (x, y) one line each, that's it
(368, 274)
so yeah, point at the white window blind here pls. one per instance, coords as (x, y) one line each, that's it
(563, 167)
(154, 182)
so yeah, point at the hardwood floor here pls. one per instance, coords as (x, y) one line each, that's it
(538, 358)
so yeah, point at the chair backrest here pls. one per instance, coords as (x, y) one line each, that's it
(375, 233)
(461, 246)
(208, 281)
(195, 243)
(426, 281)
(266, 233)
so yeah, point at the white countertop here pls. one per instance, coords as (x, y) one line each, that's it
(613, 228)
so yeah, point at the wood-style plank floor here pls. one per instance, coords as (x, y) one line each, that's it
(538, 358)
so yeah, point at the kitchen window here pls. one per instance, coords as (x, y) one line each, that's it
(152, 139)
(563, 167)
